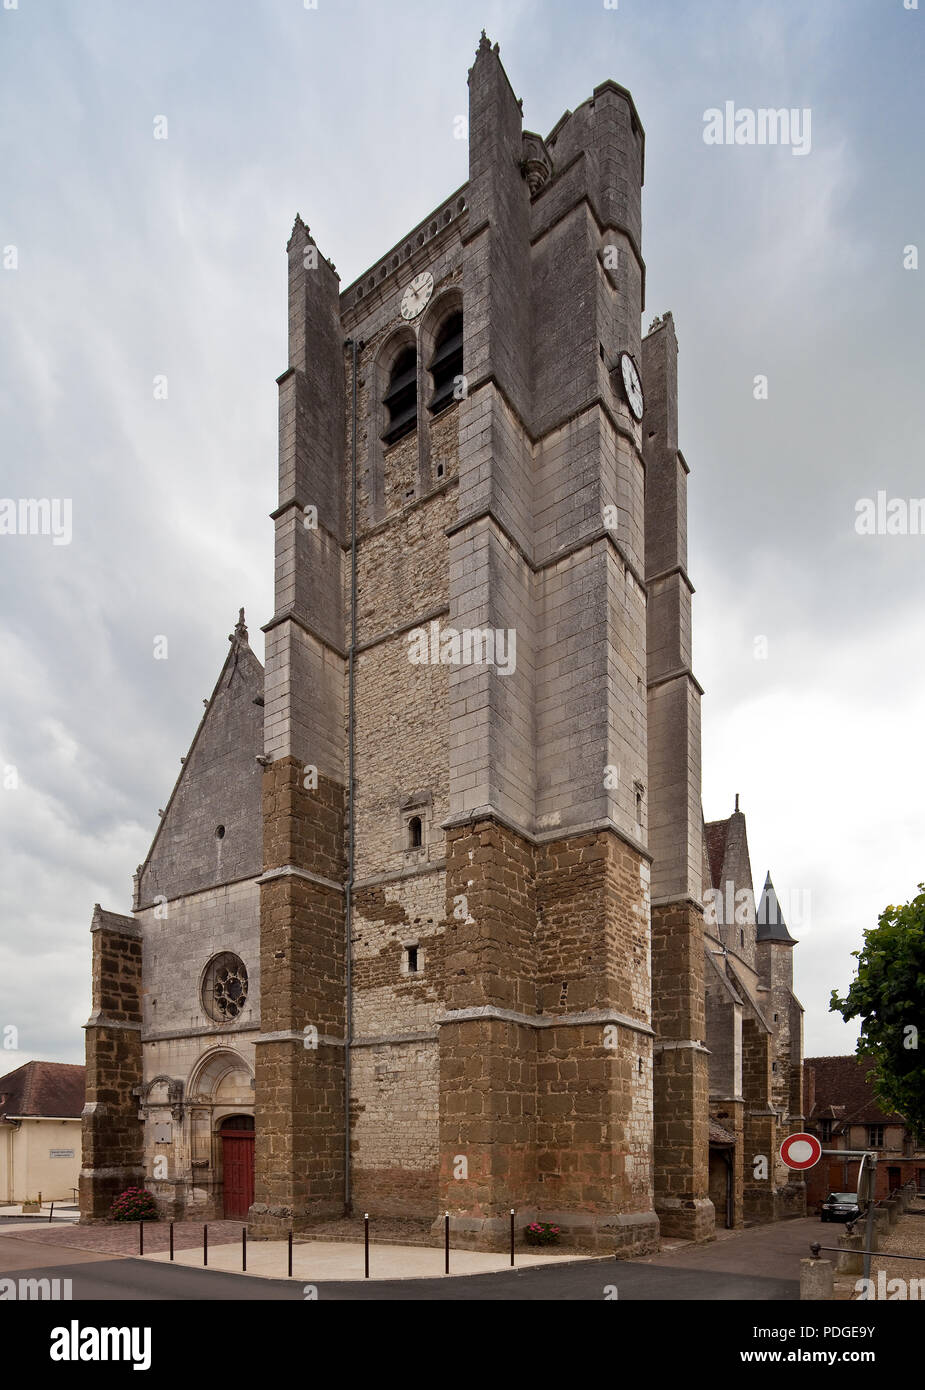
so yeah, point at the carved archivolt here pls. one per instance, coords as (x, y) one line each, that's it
(174, 1094)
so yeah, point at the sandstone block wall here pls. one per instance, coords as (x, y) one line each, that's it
(112, 1139)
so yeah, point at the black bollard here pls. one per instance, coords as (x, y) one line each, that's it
(512, 1237)
(205, 1244)
(366, 1241)
(141, 1237)
(243, 1248)
(171, 1240)
(446, 1242)
(290, 1254)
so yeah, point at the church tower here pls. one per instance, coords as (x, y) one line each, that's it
(471, 759)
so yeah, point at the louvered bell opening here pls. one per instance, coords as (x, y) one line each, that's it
(446, 364)
(401, 400)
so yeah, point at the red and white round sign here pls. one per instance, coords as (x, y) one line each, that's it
(801, 1150)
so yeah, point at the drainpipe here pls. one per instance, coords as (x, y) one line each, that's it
(348, 906)
(730, 1189)
(12, 1128)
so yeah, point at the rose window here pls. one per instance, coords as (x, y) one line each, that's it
(224, 989)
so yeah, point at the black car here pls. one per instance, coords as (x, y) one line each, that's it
(841, 1206)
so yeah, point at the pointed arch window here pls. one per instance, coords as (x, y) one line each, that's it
(446, 365)
(401, 399)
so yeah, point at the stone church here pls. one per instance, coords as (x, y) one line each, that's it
(422, 926)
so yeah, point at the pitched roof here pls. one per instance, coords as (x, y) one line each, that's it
(715, 833)
(219, 774)
(719, 1135)
(53, 1089)
(771, 924)
(843, 1089)
(727, 851)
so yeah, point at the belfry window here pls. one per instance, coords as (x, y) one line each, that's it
(446, 365)
(401, 399)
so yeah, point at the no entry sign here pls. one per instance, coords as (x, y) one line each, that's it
(801, 1150)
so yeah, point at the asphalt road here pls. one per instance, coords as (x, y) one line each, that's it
(759, 1265)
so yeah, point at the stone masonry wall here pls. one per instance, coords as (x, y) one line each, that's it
(299, 1156)
(112, 1135)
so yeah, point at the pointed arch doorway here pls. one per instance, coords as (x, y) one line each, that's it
(237, 1135)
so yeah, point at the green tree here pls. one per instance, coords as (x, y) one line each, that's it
(888, 995)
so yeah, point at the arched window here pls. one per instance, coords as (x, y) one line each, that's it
(401, 399)
(447, 363)
(415, 832)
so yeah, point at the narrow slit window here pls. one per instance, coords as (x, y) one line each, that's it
(415, 833)
(412, 960)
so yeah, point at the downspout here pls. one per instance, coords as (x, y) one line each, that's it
(348, 907)
(12, 1127)
(730, 1190)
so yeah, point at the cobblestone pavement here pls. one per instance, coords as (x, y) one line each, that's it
(121, 1238)
(907, 1237)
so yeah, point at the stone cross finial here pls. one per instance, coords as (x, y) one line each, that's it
(240, 630)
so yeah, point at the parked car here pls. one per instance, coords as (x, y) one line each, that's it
(841, 1206)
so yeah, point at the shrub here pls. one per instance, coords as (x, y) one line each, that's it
(134, 1204)
(541, 1233)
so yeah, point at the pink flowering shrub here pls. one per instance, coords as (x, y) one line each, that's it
(134, 1204)
(541, 1233)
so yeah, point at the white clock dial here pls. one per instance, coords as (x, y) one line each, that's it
(631, 384)
(416, 295)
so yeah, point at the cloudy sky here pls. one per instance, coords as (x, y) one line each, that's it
(126, 258)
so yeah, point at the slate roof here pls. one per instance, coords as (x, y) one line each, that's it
(53, 1089)
(844, 1091)
(771, 924)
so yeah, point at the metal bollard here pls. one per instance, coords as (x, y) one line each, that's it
(290, 1254)
(141, 1237)
(171, 1240)
(52, 1212)
(205, 1244)
(446, 1242)
(512, 1237)
(366, 1242)
(243, 1249)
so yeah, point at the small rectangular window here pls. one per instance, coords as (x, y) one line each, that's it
(412, 960)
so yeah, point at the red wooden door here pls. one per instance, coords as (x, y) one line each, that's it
(238, 1171)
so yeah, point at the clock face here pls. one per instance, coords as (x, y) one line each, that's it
(414, 300)
(631, 384)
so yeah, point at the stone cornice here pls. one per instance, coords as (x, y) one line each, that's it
(101, 1020)
(436, 866)
(290, 615)
(577, 1020)
(292, 871)
(547, 836)
(677, 674)
(666, 574)
(323, 1038)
